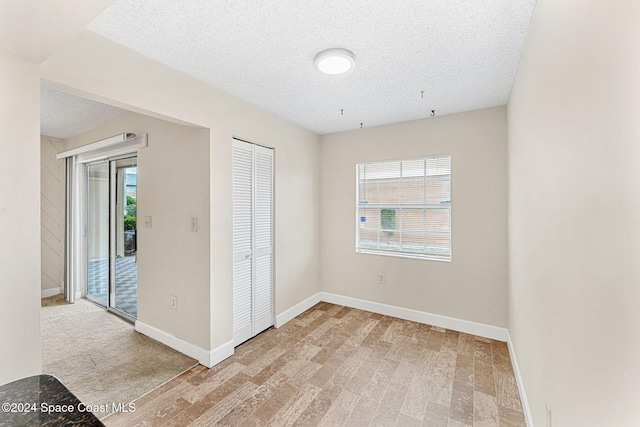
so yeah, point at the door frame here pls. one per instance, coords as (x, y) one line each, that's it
(75, 264)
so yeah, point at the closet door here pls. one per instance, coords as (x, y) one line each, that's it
(252, 240)
(262, 232)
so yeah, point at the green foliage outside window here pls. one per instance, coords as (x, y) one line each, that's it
(130, 214)
(388, 221)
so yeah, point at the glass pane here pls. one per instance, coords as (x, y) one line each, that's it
(413, 168)
(368, 238)
(388, 220)
(126, 280)
(385, 170)
(413, 220)
(98, 232)
(439, 190)
(371, 190)
(389, 192)
(413, 241)
(369, 218)
(438, 220)
(390, 240)
(413, 191)
(439, 166)
(438, 245)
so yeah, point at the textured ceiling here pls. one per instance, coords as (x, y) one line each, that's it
(63, 115)
(461, 54)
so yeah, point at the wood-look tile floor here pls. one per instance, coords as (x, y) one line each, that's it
(334, 365)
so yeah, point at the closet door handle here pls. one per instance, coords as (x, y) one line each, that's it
(247, 256)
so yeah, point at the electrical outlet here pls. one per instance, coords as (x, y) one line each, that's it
(147, 222)
(174, 302)
(194, 224)
(548, 413)
(380, 278)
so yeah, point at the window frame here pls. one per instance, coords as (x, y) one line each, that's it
(399, 253)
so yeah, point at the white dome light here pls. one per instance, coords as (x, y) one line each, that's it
(335, 61)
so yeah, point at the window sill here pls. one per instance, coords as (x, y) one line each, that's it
(402, 255)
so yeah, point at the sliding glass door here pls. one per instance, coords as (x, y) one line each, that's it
(112, 273)
(98, 232)
(125, 289)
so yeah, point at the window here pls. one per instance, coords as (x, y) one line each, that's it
(404, 207)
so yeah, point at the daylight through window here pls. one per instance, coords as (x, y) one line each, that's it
(404, 207)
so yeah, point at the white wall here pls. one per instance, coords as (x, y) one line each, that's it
(472, 286)
(51, 215)
(173, 187)
(20, 351)
(92, 66)
(574, 210)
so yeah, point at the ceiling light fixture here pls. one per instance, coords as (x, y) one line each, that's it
(335, 61)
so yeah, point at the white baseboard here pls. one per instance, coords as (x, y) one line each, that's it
(219, 353)
(523, 395)
(297, 309)
(466, 326)
(46, 293)
(208, 358)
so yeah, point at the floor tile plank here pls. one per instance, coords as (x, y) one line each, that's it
(485, 410)
(407, 421)
(289, 413)
(340, 409)
(436, 415)
(389, 408)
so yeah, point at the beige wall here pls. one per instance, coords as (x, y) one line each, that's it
(51, 214)
(472, 286)
(173, 187)
(574, 209)
(20, 351)
(92, 66)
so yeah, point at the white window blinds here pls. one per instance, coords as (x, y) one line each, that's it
(404, 207)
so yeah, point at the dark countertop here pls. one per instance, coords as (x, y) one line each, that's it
(42, 400)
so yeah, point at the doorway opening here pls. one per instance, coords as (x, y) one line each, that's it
(91, 346)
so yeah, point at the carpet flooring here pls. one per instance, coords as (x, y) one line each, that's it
(338, 366)
(99, 357)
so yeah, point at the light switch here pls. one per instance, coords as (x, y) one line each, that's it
(147, 222)
(194, 224)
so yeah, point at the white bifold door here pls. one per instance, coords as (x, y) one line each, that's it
(252, 240)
